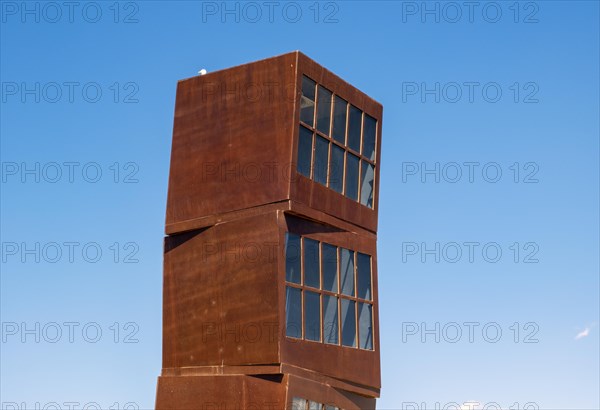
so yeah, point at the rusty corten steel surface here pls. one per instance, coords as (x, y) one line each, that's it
(224, 299)
(213, 292)
(221, 392)
(224, 320)
(235, 142)
(265, 392)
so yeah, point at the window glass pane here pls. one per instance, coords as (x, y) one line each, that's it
(329, 266)
(312, 316)
(292, 258)
(348, 323)
(298, 403)
(367, 175)
(369, 131)
(347, 271)
(330, 319)
(323, 110)
(313, 405)
(336, 169)
(321, 160)
(304, 151)
(328, 407)
(293, 312)
(365, 326)
(311, 263)
(351, 176)
(307, 103)
(354, 126)
(363, 267)
(339, 119)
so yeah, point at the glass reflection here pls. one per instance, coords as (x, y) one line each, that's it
(311, 263)
(293, 314)
(347, 272)
(339, 119)
(330, 319)
(307, 102)
(352, 163)
(323, 110)
(304, 151)
(348, 323)
(363, 268)
(354, 128)
(321, 160)
(365, 326)
(367, 178)
(312, 316)
(369, 132)
(292, 258)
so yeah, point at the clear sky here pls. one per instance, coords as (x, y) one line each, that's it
(488, 217)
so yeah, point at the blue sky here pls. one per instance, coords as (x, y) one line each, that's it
(488, 87)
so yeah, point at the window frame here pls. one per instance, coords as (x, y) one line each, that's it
(362, 157)
(303, 288)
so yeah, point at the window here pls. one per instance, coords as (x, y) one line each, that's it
(298, 403)
(366, 183)
(293, 314)
(304, 151)
(307, 104)
(330, 319)
(364, 276)
(321, 160)
(329, 296)
(292, 258)
(312, 316)
(347, 273)
(336, 143)
(311, 263)
(348, 323)
(336, 169)
(303, 404)
(340, 107)
(323, 110)
(351, 176)
(329, 266)
(354, 125)
(313, 405)
(369, 131)
(365, 326)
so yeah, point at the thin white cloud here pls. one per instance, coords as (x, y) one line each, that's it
(584, 333)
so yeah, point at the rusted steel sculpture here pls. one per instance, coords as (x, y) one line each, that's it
(270, 260)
